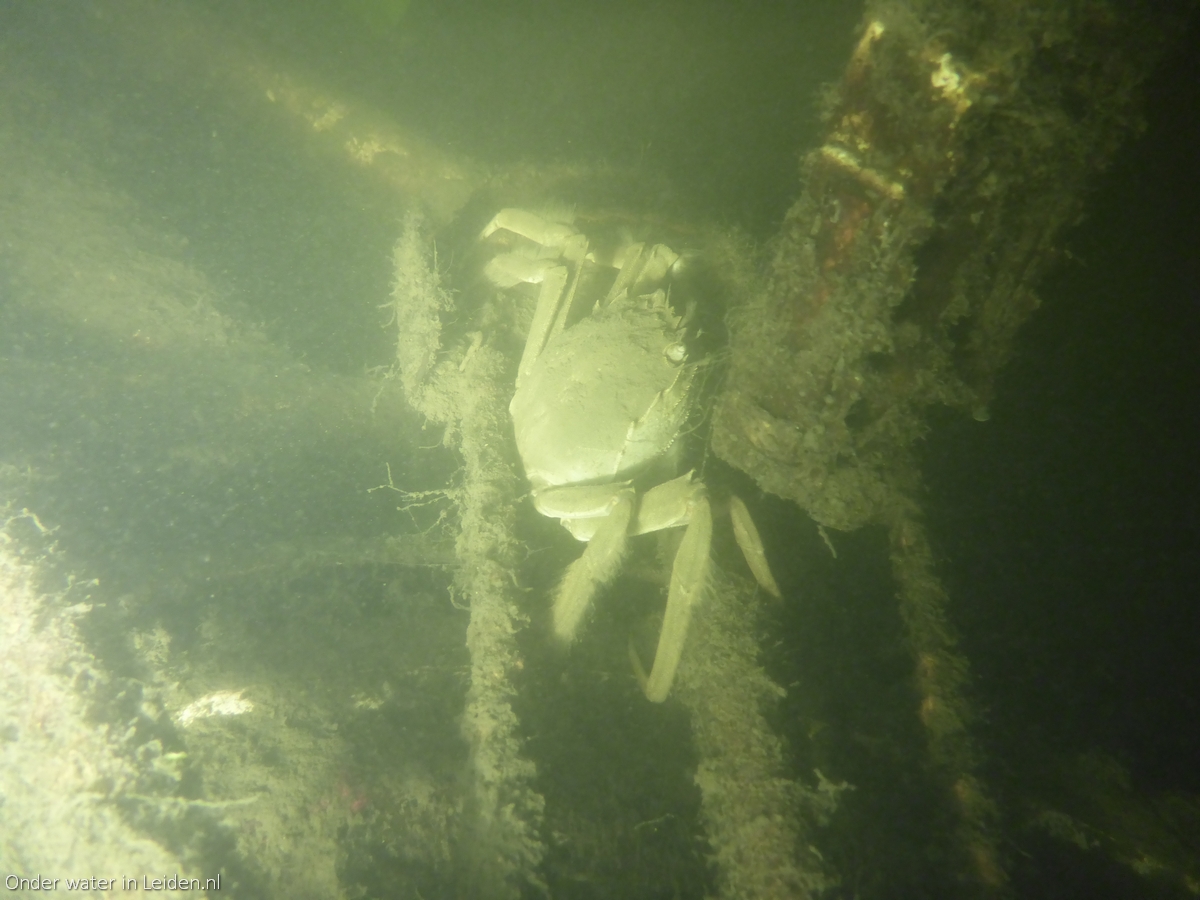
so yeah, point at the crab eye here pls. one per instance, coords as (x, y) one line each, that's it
(676, 352)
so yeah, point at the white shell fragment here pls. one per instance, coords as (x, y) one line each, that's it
(218, 703)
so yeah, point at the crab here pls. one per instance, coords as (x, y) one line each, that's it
(598, 409)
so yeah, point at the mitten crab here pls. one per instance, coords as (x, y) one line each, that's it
(599, 405)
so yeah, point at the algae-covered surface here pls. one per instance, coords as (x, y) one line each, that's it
(274, 598)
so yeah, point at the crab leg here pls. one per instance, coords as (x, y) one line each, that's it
(549, 298)
(553, 307)
(641, 268)
(689, 578)
(564, 306)
(600, 563)
(631, 265)
(530, 225)
(752, 546)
